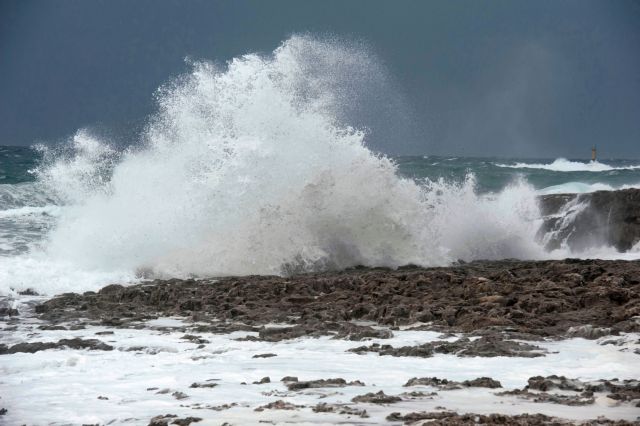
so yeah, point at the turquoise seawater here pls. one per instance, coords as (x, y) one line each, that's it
(491, 174)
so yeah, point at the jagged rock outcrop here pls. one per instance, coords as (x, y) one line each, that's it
(591, 220)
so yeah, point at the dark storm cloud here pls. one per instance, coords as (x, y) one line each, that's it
(508, 78)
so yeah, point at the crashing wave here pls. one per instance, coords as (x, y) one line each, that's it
(251, 169)
(564, 165)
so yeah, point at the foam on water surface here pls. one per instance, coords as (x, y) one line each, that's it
(63, 386)
(564, 165)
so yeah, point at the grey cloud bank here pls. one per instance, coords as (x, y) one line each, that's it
(499, 78)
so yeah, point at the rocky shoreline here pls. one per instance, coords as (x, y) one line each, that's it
(485, 310)
(524, 299)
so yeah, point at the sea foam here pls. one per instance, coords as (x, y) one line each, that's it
(564, 165)
(251, 168)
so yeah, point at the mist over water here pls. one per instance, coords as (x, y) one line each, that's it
(253, 168)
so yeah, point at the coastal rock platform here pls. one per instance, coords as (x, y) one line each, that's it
(501, 342)
(532, 299)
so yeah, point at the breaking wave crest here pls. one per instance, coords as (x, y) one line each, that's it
(564, 165)
(252, 169)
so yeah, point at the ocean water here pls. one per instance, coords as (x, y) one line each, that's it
(252, 168)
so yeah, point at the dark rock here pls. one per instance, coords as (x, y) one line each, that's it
(486, 346)
(340, 409)
(588, 332)
(279, 405)
(51, 327)
(264, 355)
(263, 381)
(75, 343)
(186, 421)
(203, 385)
(194, 339)
(322, 383)
(573, 400)
(377, 398)
(440, 418)
(6, 311)
(27, 347)
(535, 299)
(602, 217)
(276, 334)
(482, 382)
(162, 420)
(625, 390)
(91, 344)
(444, 384)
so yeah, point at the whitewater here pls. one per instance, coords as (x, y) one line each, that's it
(254, 168)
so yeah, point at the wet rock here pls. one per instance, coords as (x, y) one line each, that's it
(620, 390)
(279, 405)
(179, 395)
(322, 383)
(357, 333)
(573, 400)
(51, 327)
(263, 381)
(536, 299)
(482, 382)
(215, 407)
(422, 351)
(340, 409)
(282, 333)
(203, 385)
(91, 344)
(289, 379)
(554, 382)
(27, 347)
(486, 346)
(76, 343)
(3, 411)
(162, 420)
(440, 418)
(419, 395)
(538, 387)
(269, 355)
(588, 332)
(195, 339)
(186, 421)
(444, 384)
(377, 398)
(6, 311)
(600, 218)
(489, 346)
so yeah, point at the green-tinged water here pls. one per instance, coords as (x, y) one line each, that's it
(490, 174)
(16, 163)
(493, 174)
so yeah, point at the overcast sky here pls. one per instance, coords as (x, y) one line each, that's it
(542, 78)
